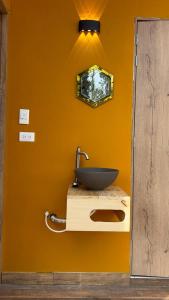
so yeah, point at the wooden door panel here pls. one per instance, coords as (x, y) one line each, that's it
(150, 229)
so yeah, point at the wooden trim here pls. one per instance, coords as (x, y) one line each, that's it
(3, 60)
(136, 289)
(61, 278)
(3, 8)
(147, 19)
(142, 19)
(133, 133)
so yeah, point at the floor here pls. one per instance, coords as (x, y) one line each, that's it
(124, 289)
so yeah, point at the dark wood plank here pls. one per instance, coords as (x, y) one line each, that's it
(27, 278)
(140, 288)
(66, 278)
(149, 282)
(82, 292)
(105, 279)
(84, 279)
(62, 278)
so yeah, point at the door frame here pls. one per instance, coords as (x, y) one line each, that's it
(3, 64)
(136, 21)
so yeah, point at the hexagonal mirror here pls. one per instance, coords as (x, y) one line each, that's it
(94, 86)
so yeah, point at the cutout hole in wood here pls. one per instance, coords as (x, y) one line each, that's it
(107, 215)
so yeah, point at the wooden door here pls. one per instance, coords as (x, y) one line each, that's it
(150, 218)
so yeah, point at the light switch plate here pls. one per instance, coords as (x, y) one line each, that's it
(24, 116)
(27, 136)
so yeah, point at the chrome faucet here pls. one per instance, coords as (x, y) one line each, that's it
(77, 165)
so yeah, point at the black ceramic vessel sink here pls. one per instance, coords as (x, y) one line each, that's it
(96, 178)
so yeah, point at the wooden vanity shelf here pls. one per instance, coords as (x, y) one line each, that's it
(82, 203)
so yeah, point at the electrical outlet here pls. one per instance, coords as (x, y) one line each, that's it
(26, 136)
(24, 116)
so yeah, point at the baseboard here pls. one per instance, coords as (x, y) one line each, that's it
(59, 278)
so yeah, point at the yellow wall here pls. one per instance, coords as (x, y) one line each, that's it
(45, 54)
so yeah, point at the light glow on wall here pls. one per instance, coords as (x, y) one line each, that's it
(88, 44)
(90, 10)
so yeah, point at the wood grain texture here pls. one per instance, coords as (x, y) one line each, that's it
(62, 278)
(3, 8)
(81, 202)
(150, 233)
(104, 278)
(135, 289)
(27, 278)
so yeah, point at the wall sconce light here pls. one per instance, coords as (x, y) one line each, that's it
(89, 26)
